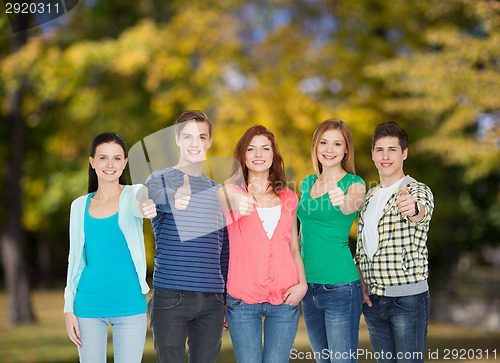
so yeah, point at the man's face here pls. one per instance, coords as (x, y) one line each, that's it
(194, 140)
(388, 156)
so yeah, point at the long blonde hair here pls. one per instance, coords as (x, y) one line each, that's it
(334, 124)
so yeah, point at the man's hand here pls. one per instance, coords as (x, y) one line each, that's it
(406, 203)
(183, 194)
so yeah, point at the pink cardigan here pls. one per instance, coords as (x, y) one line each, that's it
(261, 269)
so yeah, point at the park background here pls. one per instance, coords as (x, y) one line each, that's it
(132, 66)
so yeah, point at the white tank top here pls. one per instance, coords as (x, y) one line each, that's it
(269, 218)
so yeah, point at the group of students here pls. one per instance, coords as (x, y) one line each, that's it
(234, 257)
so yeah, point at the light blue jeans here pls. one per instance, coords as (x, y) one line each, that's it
(129, 335)
(398, 327)
(245, 327)
(331, 316)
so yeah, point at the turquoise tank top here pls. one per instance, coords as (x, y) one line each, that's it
(109, 285)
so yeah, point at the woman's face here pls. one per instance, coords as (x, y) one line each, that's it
(108, 162)
(331, 148)
(259, 154)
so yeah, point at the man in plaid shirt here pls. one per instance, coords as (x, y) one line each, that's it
(392, 253)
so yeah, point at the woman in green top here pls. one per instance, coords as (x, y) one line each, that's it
(327, 209)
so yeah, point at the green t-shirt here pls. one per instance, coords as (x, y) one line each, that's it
(325, 235)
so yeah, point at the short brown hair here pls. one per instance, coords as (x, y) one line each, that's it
(334, 124)
(192, 115)
(277, 170)
(390, 129)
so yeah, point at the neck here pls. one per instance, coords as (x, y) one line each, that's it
(387, 181)
(336, 172)
(108, 190)
(259, 180)
(193, 169)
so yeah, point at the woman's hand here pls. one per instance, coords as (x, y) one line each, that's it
(226, 327)
(147, 206)
(72, 328)
(247, 202)
(295, 294)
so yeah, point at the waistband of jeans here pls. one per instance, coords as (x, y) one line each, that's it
(188, 291)
(336, 285)
(406, 290)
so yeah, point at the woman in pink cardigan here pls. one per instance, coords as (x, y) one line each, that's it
(266, 276)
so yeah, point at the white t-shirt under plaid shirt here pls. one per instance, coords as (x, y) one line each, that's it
(372, 216)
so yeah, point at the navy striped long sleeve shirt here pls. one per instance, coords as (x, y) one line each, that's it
(192, 251)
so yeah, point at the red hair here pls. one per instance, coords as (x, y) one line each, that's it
(276, 171)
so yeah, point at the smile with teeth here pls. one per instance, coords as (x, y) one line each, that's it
(194, 152)
(327, 157)
(258, 162)
(386, 165)
(109, 172)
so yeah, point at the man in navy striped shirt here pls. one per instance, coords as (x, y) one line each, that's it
(192, 251)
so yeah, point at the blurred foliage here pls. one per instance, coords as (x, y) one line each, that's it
(133, 66)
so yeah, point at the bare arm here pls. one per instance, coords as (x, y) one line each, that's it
(353, 198)
(295, 293)
(231, 200)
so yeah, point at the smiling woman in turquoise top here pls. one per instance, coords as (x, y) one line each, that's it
(106, 282)
(328, 206)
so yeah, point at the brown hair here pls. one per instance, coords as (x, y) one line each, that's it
(277, 170)
(191, 115)
(390, 129)
(334, 124)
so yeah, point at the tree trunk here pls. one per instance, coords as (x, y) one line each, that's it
(13, 237)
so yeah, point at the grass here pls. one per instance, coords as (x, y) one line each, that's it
(46, 340)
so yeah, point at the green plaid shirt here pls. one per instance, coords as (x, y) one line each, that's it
(401, 257)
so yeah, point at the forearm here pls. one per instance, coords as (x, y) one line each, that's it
(351, 204)
(420, 215)
(228, 198)
(363, 283)
(353, 198)
(161, 194)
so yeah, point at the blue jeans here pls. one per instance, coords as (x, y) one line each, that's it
(331, 315)
(245, 327)
(398, 327)
(129, 335)
(177, 315)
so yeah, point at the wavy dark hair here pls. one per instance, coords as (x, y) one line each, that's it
(277, 170)
(104, 138)
(390, 129)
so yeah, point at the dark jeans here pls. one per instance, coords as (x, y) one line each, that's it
(177, 315)
(398, 327)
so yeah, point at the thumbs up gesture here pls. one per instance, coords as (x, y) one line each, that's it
(147, 206)
(337, 196)
(183, 194)
(406, 203)
(247, 202)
